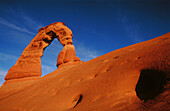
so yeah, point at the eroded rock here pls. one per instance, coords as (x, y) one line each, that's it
(106, 83)
(68, 54)
(29, 63)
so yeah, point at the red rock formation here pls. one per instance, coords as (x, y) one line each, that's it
(67, 55)
(29, 63)
(134, 78)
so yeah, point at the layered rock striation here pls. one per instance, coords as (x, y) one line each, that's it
(29, 63)
(68, 54)
(134, 78)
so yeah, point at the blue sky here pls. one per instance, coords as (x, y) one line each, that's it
(99, 26)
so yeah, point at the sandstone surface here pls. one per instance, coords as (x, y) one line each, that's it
(29, 63)
(134, 78)
(67, 55)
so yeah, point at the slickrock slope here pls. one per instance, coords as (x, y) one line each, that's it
(134, 78)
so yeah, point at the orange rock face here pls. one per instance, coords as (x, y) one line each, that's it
(29, 63)
(67, 55)
(134, 78)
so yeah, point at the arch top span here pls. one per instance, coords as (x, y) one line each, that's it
(29, 63)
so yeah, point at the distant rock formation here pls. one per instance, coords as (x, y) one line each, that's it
(29, 63)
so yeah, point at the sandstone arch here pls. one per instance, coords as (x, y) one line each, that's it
(29, 63)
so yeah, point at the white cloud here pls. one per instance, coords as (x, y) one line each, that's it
(3, 73)
(7, 57)
(85, 53)
(6, 61)
(11, 25)
(33, 24)
(46, 69)
(2, 80)
(20, 21)
(132, 29)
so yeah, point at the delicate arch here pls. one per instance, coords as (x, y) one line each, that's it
(29, 63)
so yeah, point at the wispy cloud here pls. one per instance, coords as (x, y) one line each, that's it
(46, 69)
(33, 24)
(131, 29)
(20, 21)
(3, 73)
(11, 25)
(7, 57)
(6, 61)
(85, 53)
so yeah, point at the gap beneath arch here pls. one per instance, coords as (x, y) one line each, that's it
(49, 58)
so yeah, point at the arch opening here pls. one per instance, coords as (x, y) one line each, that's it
(49, 58)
